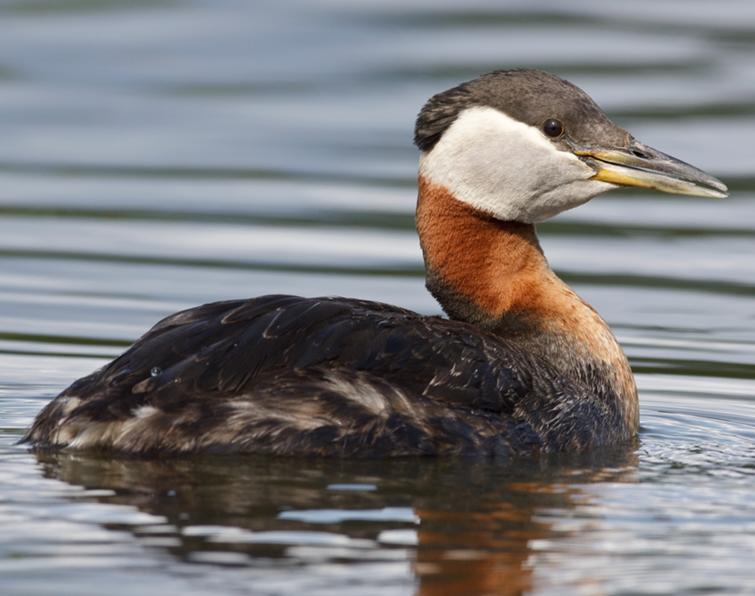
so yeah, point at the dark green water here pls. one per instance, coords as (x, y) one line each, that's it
(158, 155)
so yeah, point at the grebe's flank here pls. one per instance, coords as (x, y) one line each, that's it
(522, 365)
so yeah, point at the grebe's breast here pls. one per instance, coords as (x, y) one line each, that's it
(333, 376)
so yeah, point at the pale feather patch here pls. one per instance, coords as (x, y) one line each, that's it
(307, 416)
(65, 433)
(145, 411)
(360, 391)
(70, 405)
(96, 434)
(507, 168)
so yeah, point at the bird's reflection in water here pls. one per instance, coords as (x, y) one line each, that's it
(477, 524)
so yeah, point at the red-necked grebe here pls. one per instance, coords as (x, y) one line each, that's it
(522, 366)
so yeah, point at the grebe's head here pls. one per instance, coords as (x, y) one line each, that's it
(524, 145)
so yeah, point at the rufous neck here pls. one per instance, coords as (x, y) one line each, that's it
(479, 268)
(493, 274)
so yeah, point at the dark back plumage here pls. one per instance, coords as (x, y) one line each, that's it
(327, 376)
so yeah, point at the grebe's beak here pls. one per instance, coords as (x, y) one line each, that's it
(645, 167)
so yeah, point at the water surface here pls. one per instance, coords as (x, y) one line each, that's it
(158, 155)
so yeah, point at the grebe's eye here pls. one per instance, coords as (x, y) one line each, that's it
(553, 128)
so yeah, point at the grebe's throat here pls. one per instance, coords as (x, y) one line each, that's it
(480, 268)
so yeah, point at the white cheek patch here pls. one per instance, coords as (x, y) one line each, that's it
(507, 168)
